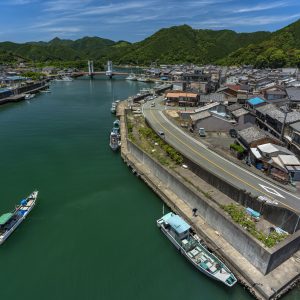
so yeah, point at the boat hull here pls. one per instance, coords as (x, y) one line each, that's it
(5, 236)
(183, 252)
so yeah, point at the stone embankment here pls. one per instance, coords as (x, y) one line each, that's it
(215, 227)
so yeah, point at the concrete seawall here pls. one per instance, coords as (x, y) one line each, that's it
(228, 239)
(264, 259)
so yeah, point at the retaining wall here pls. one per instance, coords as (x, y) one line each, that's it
(262, 258)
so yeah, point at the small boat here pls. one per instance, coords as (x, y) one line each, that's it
(144, 78)
(64, 78)
(45, 91)
(114, 141)
(10, 221)
(113, 108)
(189, 244)
(115, 137)
(29, 96)
(131, 76)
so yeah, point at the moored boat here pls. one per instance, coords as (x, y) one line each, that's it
(114, 141)
(131, 76)
(29, 96)
(113, 109)
(115, 137)
(10, 221)
(188, 243)
(64, 78)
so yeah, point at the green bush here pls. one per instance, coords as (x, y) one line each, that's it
(239, 215)
(237, 148)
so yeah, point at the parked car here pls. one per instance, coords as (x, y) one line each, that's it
(161, 133)
(233, 133)
(152, 104)
(202, 132)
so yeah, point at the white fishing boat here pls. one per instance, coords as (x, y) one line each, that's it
(189, 244)
(45, 91)
(29, 96)
(131, 77)
(11, 220)
(64, 78)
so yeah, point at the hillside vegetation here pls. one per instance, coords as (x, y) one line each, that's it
(282, 48)
(178, 44)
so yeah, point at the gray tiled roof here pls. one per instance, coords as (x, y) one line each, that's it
(214, 97)
(200, 116)
(296, 126)
(266, 108)
(240, 112)
(251, 134)
(235, 106)
(294, 93)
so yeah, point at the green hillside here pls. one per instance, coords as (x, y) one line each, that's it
(178, 44)
(282, 48)
(181, 44)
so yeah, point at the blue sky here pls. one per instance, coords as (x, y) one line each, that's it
(132, 20)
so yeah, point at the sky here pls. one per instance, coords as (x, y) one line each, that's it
(132, 20)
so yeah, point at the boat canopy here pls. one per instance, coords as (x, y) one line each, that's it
(5, 217)
(176, 222)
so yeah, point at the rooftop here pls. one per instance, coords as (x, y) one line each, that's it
(252, 134)
(235, 106)
(240, 112)
(271, 148)
(201, 115)
(177, 95)
(293, 93)
(255, 101)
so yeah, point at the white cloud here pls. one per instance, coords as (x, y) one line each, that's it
(117, 7)
(260, 7)
(228, 22)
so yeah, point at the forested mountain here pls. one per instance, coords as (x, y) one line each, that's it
(183, 44)
(282, 48)
(178, 44)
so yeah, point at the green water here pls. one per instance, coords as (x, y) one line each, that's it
(92, 234)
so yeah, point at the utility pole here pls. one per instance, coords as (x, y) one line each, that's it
(287, 109)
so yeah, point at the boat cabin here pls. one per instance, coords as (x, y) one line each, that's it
(177, 225)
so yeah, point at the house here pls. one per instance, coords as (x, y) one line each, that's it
(210, 122)
(212, 117)
(273, 119)
(252, 136)
(293, 95)
(211, 98)
(279, 162)
(183, 98)
(255, 102)
(293, 138)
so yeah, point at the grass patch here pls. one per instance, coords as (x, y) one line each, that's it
(239, 216)
(146, 138)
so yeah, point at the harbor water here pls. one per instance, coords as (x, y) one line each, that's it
(92, 234)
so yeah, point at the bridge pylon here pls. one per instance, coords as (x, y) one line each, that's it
(91, 68)
(109, 70)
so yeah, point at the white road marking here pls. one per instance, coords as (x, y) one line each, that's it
(224, 159)
(271, 190)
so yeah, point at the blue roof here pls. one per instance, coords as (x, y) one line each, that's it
(255, 101)
(177, 223)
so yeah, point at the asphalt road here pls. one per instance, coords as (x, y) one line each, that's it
(199, 153)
